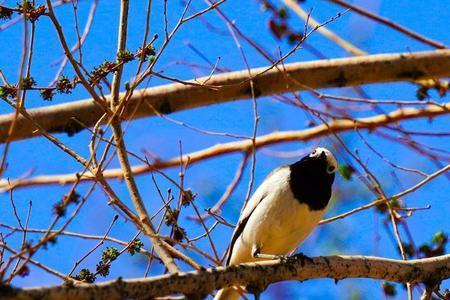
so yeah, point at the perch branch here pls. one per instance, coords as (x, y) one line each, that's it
(257, 275)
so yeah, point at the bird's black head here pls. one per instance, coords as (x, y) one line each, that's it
(312, 177)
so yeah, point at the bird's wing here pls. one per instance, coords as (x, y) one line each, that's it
(260, 193)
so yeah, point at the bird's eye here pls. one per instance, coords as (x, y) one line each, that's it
(331, 169)
(314, 153)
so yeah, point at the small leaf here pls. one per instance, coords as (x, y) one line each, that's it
(171, 216)
(440, 238)
(59, 209)
(103, 269)
(24, 271)
(346, 171)
(425, 249)
(64, 85)
(389, 289)
(178, 233)
(27, 82)
(422, 93)
(187, 197)
(135, 246)
(73, 197)
(395, 203)
(5, 13)
(282, 13)
(86, 276)
(110, 254)
(47, 94)
(409, 249)
(125, 56)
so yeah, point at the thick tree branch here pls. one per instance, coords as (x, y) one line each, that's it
(336, 126)
(236, 85)
(258, 276)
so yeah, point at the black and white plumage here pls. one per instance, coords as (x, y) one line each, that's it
(282, 212)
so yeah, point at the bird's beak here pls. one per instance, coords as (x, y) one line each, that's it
(323, 155)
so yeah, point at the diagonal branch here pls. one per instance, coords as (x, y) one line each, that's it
(335, 126)
(390, 23)
(236, 85)
(257, 275)
(122, 151)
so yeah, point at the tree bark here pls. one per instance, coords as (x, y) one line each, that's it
(231, 86)
(335, 126)
(256, 276)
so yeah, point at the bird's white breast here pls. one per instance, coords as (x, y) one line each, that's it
(278, 224)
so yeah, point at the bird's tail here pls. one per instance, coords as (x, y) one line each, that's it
(227, 294)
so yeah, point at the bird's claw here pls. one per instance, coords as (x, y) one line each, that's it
(283, 258)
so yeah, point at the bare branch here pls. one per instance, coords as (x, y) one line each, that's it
(391, 24)
(336, 126)
(236, 85)
(258, 275)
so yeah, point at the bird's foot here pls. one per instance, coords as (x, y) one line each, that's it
(256, 253)
(280, 258)
(267, 256)
(285, 258)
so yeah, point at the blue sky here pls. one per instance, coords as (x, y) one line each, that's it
(209, 179)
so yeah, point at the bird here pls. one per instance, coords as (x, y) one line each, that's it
(282, 212)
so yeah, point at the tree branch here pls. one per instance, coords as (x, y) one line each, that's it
(390, 23)
(122, 155)
(236, 85)
(336, 126)
(256, 275)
